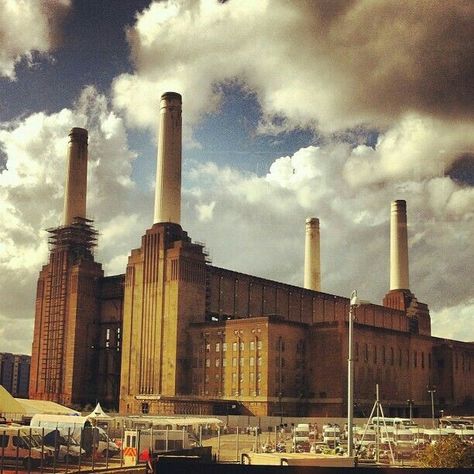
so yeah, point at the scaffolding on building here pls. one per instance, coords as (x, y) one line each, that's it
(67, 245)
(80, 237)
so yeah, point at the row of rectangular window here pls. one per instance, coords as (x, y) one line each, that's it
(235, 392)
(392, 356)
(218, 346)
(279, 346)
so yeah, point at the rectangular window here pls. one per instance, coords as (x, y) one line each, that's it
(208, 347)
(224, 347)
(218, 362)
(208, 362)
(252, 345)
(218, 346)
(242, 346)
(241, 361)
(234, 361)
(252, 361)
(259, 361)
(415, 359)
(259, 345)
(234, 346)
(422, 360)
(224, 362)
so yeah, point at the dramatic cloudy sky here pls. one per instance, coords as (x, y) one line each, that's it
(324, 108)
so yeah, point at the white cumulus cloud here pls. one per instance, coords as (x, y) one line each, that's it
(258, 228)
(32, 193)
(28, 27)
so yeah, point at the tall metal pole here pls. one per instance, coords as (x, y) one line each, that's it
(377, 426)
(432, 391)
(410, 408)
(354, 303)
(280, 380)
(350, 381)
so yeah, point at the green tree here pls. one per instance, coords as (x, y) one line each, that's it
(449, 451)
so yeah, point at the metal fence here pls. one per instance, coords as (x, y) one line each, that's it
(29, 449)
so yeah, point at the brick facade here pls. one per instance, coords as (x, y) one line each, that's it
(178, 335)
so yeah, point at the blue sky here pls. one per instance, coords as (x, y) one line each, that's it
(290, 110)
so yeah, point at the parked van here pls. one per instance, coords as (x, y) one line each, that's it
(81, 429)
(399, 423)
(332, 435)
(301, 442)
(18, 446)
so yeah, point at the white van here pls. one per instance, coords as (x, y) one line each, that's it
(331, 435)
(301, 442)
(18, 446)
(81, 429)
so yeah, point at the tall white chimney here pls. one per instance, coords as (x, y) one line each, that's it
(168, 169)
(312, 255)
(398, 247)
(76, 179)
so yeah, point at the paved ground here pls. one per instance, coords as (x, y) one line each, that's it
(229, 447)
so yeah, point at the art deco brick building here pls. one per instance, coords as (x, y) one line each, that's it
(175, 334)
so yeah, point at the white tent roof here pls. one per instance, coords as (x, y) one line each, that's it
(21, 406)
(182, 420)
(98, 412)
(8, 404)
(45, 407)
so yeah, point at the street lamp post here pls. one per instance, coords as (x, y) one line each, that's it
(354, 303)
(410, 408)
(350, 377)
(280, 378)
(432, 391)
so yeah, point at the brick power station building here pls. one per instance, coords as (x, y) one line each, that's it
(175, 334)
